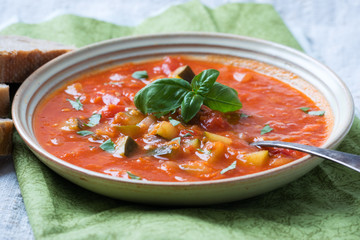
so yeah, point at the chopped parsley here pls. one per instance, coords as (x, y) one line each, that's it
(313, 113)
(77, 105)
(108, 146)
(94, 120)
(85, 133)
(141, 75)
(316, 113)
(231, 167)
(133, 176)
(188, 135)
(173, 121)
(266, 129)
(305, 109)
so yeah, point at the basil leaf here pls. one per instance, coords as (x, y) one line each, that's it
(188, 135)
(316, 113)
(77, 105)
(222, 98)
(173, 121)
(231, 167)
(85, 133)
(243, 115)
(202, 83)
(178, 139)
(305, 109)
(266, 129)
(162, 95)
(94, 120)
(191, 105)
(133, 176)
(141, 75)
(108, 146)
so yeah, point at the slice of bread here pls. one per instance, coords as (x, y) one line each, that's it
(6, 129)
(20, 56)
(4, 100)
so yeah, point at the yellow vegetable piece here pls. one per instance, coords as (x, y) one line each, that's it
(217, 138)
(130, 130)
(166, 130)
(257, 158)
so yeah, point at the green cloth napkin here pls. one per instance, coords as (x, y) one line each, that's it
(324, 204)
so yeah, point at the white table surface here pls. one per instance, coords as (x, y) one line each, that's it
(328, 30)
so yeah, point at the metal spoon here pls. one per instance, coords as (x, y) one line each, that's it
(346, 159)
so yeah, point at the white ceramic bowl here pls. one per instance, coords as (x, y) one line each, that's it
(328, 86)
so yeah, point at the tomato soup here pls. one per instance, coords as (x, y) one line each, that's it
(92, 122)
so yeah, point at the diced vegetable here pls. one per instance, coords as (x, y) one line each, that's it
(217, 138)
(124, 146)
(72, 124)
(217, 151)
(169, 149)
(184, 72)
(147, 122)
(195, 167)
(166, 130)
(195, 143)
(257, 158)
(133, 131)
(130, 117)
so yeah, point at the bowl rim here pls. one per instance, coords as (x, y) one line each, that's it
(38, 150)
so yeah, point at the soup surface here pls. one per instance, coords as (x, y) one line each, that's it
(92, 122)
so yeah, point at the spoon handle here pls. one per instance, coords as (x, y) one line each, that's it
(346, 159)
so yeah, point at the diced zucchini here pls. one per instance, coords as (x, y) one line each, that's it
(184, 72)
(217, 138)
(166, 130)
(133, 131)
(257, 158)
(124, 146)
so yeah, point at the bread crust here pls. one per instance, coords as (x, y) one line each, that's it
(4, 100)
(6, 129)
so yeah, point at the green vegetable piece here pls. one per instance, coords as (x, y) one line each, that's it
(185, 72)
(305, 109)
(316, 113)
(191, 105)
(223, 98)
(77, 105)
(178, 139)
(124, 146)
(173, 121)
(133, 176)
(94, 120)
(243, 115)
(141, 75)
(188, 135)
(266, 129)
(231, 167)
(108, 146)
(85, 133)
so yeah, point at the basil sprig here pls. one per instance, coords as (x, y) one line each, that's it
(167, 94)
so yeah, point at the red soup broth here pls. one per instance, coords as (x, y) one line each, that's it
(192, 153)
